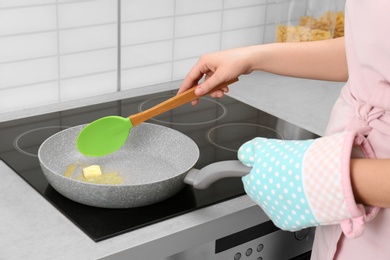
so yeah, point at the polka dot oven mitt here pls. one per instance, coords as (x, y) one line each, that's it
(301, 184)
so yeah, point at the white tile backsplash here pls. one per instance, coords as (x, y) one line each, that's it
(271, 14)
(28, 72)
(184, 7)
(27, 20)
(244, 17)
(87, 86)
(133, 10)
(16, 3)
(28, 96)
(270, 33)
(147, 31)
(30, 46)
(242, 37)
(73, 49)
(205, 23)
(238, 3)
(196, 46)
(87, 13)
(93, 62)
(144, 76)
(88, 38)
(147, 54)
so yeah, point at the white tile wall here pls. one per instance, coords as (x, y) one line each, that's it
(147, 31)
(28, 46)
(28, 72)
(244, 17)
(85, 63)
(195, 46)
(32, 19)
(88, 38)
(29, 96)
(87, 13)
(243, 37)
(87, 86)
(59, 50)
(184, 7)
(133, 10)
(205, 23)
(88, 48)
(148, 75)
(147, 54)
(22, 3)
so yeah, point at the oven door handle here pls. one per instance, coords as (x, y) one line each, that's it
(203, 178)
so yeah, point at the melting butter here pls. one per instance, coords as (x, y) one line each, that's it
(111, 178)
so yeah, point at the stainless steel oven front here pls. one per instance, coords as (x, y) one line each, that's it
(261, 242)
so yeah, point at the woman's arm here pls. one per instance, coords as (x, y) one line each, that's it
(322, 60)
(370, 180)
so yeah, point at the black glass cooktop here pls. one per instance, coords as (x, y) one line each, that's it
(218, 127)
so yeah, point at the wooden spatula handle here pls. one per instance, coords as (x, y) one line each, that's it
(171, 103)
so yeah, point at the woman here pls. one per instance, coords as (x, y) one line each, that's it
(362, 58)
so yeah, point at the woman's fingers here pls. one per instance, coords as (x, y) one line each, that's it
(216, 68)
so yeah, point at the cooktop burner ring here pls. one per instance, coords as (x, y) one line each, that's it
(269, 133)
(224, 111)
(17, 139)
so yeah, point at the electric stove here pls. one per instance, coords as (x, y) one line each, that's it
(218, 127)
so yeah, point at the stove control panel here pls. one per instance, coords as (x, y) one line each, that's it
(264, 241)
(261, 242)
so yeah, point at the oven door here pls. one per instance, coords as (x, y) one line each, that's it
(260, 242)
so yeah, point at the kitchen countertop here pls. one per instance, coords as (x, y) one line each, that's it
(31, 228)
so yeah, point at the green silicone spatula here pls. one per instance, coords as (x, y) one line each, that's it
(106, 135)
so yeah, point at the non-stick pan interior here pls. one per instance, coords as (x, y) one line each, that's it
(151, 154)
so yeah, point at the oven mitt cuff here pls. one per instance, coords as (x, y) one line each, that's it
(306, 183)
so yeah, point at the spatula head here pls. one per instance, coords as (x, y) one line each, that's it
(103, 136)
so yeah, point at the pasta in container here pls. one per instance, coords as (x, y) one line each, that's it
(309, 20)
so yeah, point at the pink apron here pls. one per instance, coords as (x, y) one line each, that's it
(364, 105)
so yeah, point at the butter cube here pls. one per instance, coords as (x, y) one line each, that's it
(92, 171)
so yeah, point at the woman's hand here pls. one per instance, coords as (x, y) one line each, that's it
(217, 68)
(320, 60)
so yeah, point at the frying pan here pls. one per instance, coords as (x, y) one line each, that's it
(152, 163)
(155, 163)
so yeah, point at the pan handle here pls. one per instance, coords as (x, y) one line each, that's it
(203, 178)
